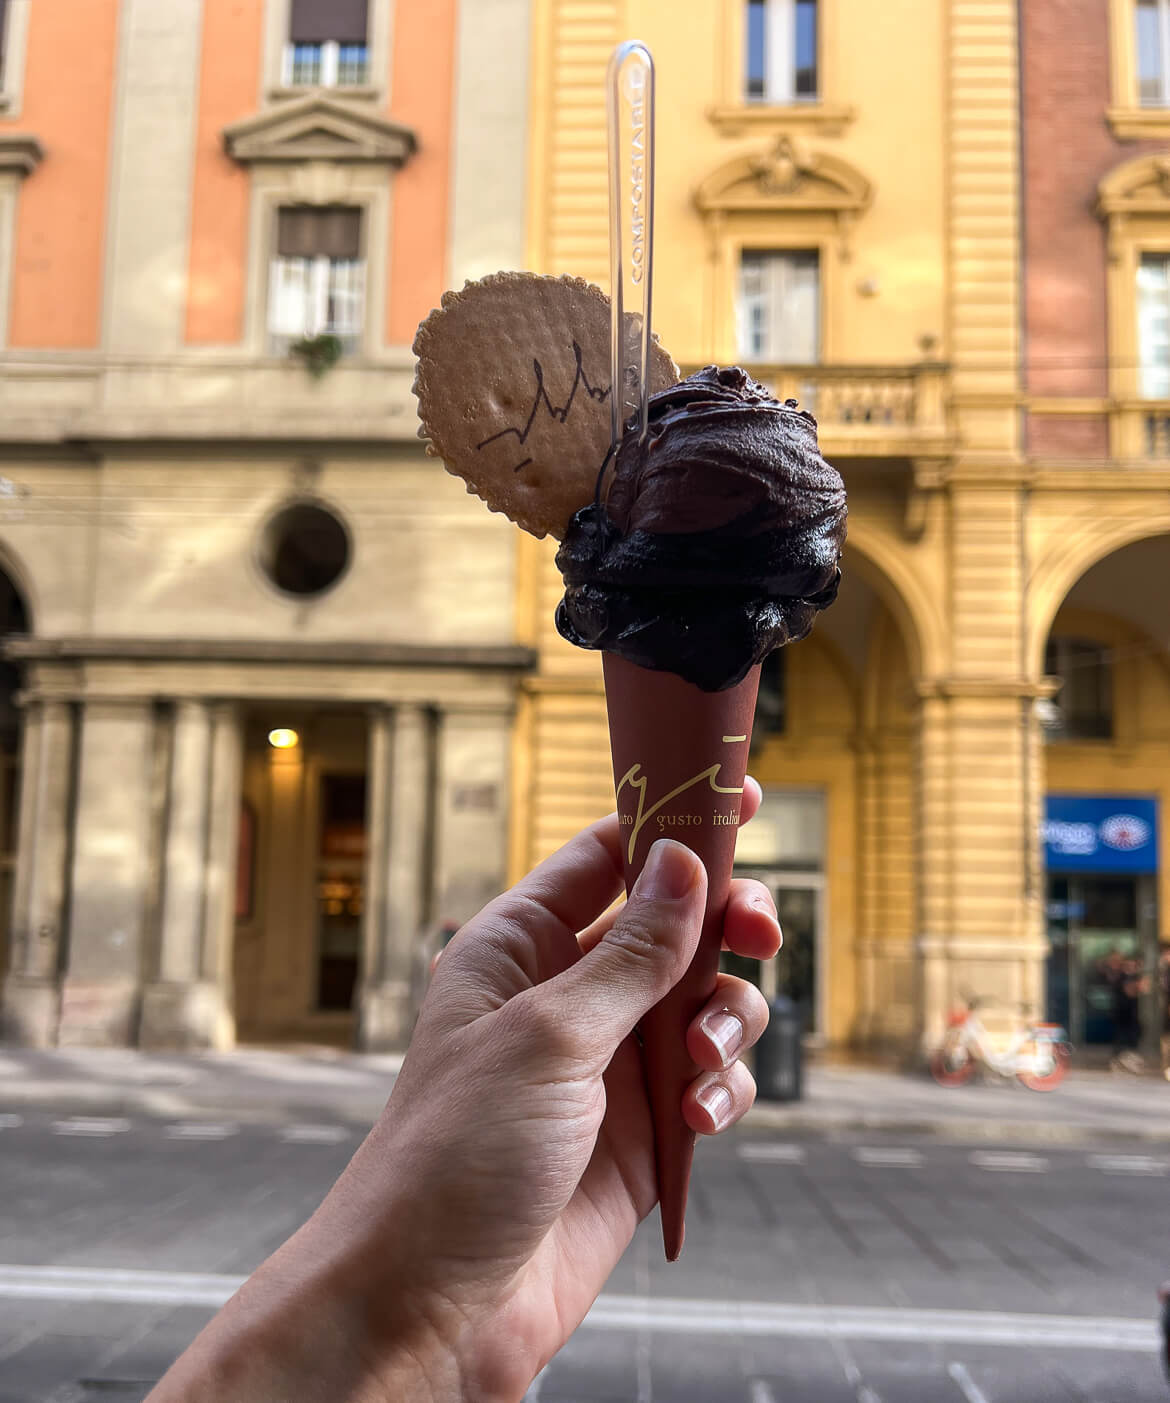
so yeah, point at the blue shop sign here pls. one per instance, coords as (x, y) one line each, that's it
(1089, 833)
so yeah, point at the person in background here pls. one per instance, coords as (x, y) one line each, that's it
(1127, 981)
(477, 1223)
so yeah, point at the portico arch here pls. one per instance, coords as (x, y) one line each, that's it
(1073, 554)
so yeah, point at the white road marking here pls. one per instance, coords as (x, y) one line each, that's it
(314, 1134)
(691, 1317)
(202, 1130)
(759, 1392)
(865, 1394)
(966, 1384)
(887, 1157)
(91, 1125)
(10, 1122)
(1009, 1162)
(767, 1153)
(1128, 1164)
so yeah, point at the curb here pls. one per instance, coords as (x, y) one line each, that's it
(362, 1110)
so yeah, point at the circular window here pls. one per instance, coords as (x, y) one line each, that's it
(304, 549)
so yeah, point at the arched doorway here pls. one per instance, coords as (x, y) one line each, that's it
(14, 620)
(835, 837)
(1107, 787)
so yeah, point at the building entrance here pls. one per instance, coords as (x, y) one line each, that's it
(1101, 910)
(783, 848)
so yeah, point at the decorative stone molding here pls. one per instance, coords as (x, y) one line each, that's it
(1140, 186)
(20, 152)
(746, 118)
(787, 178)
(319, 128)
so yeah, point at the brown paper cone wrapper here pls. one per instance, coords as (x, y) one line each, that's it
(679, 759)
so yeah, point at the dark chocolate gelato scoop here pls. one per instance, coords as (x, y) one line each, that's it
(711, 543)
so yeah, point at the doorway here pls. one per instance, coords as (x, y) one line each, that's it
(298, 936)
(1089, 917)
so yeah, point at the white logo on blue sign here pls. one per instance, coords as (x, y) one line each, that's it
(1125, 832)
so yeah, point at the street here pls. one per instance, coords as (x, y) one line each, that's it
(853, 1266)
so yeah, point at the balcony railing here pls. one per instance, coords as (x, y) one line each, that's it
(873, 410)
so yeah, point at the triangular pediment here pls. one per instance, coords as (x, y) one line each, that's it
(1140, 186)
(318, 128)
(788, 177)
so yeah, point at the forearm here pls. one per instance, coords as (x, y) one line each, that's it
(302, 1329)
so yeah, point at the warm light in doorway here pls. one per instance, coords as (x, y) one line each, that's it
(282, 738)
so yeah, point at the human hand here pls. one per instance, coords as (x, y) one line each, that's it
(475, 1226)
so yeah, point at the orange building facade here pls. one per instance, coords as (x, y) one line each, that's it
(261, 659)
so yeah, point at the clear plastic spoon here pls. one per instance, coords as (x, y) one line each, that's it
(630, 91)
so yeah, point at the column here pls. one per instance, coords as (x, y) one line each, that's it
(471, 838)
(187, 1004)
(110, 875)
(981, 928)
(31, 1004)
(399, 823)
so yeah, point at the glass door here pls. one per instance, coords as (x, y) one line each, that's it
(798, 972)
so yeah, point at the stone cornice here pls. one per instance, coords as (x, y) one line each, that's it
(319, 128)
(994, 688)
(501, 657)
(20, 152)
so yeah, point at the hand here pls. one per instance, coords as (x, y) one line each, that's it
(475, 1226)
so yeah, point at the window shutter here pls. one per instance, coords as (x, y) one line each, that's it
(306, 231)
(3, 37)
(318, 21)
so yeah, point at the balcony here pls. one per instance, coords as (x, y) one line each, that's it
(867, 411)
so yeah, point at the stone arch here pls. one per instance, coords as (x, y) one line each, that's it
(12, 566)
(1076, 553)
(888, 575)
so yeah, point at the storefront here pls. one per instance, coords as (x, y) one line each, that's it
(783, 847)
(1101, 854)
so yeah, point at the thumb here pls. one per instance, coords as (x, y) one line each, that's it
(642, 956)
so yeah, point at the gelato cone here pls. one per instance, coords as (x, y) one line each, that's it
(714, 541)
(689, 552)
(679, 760)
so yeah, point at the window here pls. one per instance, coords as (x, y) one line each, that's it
(304, 549)
(327, 44)
(340, 893)
(779, 307)
(781, 58)
(317, 280)
(1153, 309)
(1152, 47)
(3, 39)
(772, 703)
(1084, 704)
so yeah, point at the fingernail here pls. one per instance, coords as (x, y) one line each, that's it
(715, 1099)
(669, 873)
(725, 1031)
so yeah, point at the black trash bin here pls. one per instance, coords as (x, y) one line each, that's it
(779, 1059)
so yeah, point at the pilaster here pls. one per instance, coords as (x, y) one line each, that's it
(32, 988)
(110, 865)
(188, 1003)
(397, 871)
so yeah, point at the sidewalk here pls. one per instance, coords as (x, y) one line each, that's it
(258, 1084)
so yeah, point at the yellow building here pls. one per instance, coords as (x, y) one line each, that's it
(839, 208)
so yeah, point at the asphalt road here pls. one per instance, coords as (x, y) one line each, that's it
(864, 1269)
